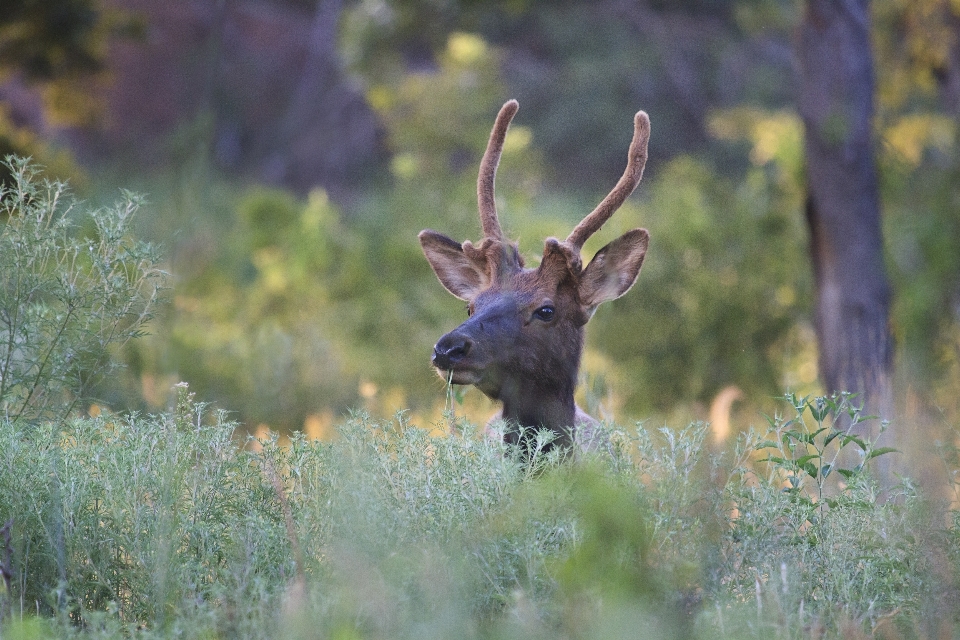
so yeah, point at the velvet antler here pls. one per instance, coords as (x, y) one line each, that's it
(636, 160)
(488, 172)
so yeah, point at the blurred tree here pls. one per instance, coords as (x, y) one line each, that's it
(51, 39)
(579, 69)
(836, 96)
(55, 44)
(259, 85)
(325, 110)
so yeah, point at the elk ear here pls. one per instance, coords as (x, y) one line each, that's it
(614, 269)
(462, 275)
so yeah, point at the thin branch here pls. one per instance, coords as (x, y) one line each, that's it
(46, 359)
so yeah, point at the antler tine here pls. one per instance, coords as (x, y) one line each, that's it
(636, 160)
(488, 172)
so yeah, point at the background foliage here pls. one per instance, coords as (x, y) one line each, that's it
(294, 303)
(697, 322)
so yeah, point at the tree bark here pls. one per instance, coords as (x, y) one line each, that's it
(842, 207)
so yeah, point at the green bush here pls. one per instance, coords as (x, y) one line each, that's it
(73, 288)
(721, 293)
(813, 540)
(136, 517)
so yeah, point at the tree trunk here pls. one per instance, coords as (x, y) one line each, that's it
(843, 209)
(325, 111)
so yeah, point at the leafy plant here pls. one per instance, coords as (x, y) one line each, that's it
(812, 454)
(811, 539)
(69, 293)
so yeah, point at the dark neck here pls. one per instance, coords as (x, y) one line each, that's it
(553, 413)
(541, 397)
(538, 408)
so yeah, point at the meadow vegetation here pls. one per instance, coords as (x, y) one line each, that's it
(169, 526)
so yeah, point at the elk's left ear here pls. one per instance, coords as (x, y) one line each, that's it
(614, 269)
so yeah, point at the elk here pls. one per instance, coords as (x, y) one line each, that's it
(522, 341)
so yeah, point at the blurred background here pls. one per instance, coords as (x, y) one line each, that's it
(291, 150)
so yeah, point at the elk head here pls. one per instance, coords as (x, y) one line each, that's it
(523, 339)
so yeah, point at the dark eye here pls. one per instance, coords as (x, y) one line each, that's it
(469, 310)
(544, 313)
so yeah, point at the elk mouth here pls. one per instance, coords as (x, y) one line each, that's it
(459, 376)
(451, 358)
(472, 374)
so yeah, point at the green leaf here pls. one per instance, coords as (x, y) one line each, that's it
(873, 453)
(794, 434)
(810, 438)
(830, 438)
(802, 460)
(819, 409)
(847, 439)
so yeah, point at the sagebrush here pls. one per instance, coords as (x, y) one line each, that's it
(171, 525)
(74, 287)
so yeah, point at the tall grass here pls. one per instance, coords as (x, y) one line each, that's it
(169, 526)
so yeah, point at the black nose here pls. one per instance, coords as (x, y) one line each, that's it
(451, 349)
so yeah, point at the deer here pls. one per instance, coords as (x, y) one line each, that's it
(522, 342)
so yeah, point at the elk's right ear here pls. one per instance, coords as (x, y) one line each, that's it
(462, 275)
